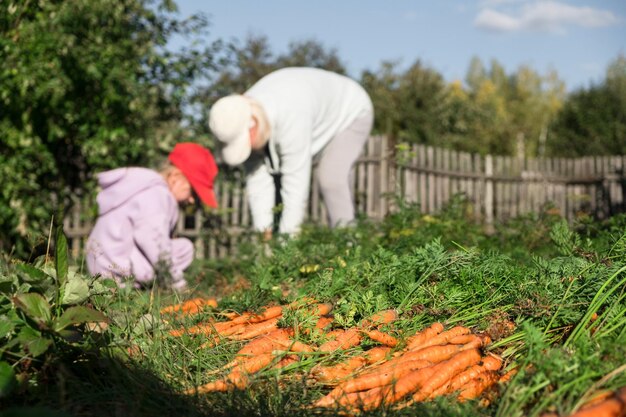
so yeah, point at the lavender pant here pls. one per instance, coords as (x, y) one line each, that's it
(335, 163)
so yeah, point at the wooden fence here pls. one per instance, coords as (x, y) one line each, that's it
(497, 187)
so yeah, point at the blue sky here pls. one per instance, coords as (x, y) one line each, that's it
(577, 38)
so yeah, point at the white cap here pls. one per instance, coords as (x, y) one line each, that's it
(230, 120)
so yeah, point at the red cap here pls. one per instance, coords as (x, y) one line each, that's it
(198, 166)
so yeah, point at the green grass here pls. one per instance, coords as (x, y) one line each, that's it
(536, 272)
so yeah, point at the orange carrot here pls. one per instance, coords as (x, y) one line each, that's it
(382, 338)
(492, 362)
(442, 338)
(434, 354)
(222, 328)
(381, 317)
(286, 361)
(506, 377)
(363, 400)
(475, 387)
(343, 369)
(238, 380)
(607, 408)
(614, 406)
(345, 340)
(390, 365)
(264, 344)
(325, 401)
(333, 334)
(408, 384)
(486, 339)
(411, 358)
(447, 370)
(256, 329)
(238, 377)
(366, 400)
(215, 386)
(190, 306)
(268, 313)
(489, 363)
(375, 379)
(323, 309)
(254, 364)
(354, 401)
(598, 398)
(297, 346)
(338, 371)
(323, 322)
(230, 315)
(463, 339)
(376, 354)
(417, 339)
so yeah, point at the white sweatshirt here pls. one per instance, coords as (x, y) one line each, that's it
(306, 108)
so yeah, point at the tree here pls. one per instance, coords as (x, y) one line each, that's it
(85, 85)
(311, 53)
(242, 65)
(476, 74)
(409, 106)
(507, 114)
(593, 120)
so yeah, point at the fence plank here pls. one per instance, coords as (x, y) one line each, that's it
(489, 191)
(478, 186)
(430, 157)
(445, 179)
(423, 187)
(466, 165)
(454, 167)
(498, 187)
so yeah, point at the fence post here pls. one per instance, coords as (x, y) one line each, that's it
(387, 178)
(488, 178)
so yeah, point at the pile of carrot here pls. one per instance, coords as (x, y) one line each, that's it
(396, 371)
(433, 362)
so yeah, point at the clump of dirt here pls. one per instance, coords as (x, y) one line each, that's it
(500, 325)
(226, 286)
(418, 309)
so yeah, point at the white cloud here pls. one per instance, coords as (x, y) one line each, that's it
(544, 16)
(496, 21)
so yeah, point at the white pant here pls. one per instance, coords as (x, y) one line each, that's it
(334, 167)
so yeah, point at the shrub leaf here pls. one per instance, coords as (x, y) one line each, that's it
(61, 258)
(77, 315)
(35, 306)
(75, 291)
(33, 342)
(7, 379)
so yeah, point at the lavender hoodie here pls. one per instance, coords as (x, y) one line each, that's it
(137, 213)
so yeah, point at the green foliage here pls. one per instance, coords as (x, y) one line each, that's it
(565, 239)
(408, 105)
(85, 86)
(536, 296)
(43, 318)
(498, 113)
(243, 63)
(537, 275)
(593, 120)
